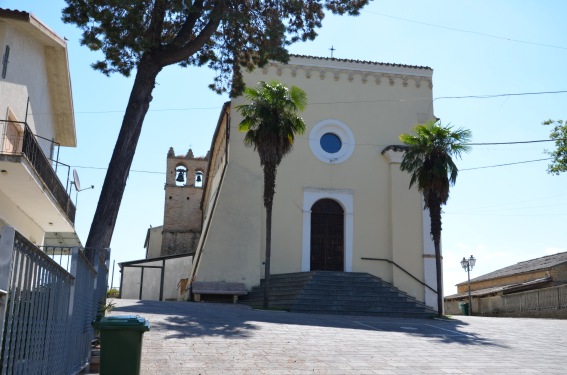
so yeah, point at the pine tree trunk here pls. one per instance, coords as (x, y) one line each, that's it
(104, 220)
(435, 215)
(269, 191)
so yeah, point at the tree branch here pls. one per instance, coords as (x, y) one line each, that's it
(156, 24)
(173, 54)
(187, 28)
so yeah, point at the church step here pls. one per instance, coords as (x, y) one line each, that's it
(331, 300)
(355, 307)
(386, 314)
(346, 293)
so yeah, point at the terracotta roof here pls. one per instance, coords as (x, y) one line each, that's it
(15, 14)
(361, 61)
(524, 267)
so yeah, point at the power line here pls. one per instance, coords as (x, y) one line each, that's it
(487, 96)
(490, 96)
(467, 31)
(149, 110)
(303, 137)
(514, 143)
(105, 168)
(503, 165)
(464, 169)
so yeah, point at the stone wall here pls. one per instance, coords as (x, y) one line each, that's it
(545, 302)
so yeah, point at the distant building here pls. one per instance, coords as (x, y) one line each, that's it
(36, 118)
(152, 243)
(163, 274)
(493, 292)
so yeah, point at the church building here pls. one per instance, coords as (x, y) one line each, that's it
(341, 203)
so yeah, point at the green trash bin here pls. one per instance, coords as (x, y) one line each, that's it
(121, 343)
(464, 308)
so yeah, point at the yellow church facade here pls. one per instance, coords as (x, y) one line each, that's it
(341, 202)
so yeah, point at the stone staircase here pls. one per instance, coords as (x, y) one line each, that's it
(343, 293)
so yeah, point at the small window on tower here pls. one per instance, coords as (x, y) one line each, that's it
(181, 179)
(199, 179)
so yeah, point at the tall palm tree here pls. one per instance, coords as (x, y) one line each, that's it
(429, 160)
(271, 122)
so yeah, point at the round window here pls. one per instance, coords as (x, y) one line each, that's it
(331, 143)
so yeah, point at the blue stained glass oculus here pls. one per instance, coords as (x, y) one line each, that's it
(331, 143)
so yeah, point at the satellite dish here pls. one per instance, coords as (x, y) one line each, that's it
(77, 182)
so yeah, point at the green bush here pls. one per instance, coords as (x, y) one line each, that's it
(112, 293)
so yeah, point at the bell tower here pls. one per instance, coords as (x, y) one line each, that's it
(184, 183)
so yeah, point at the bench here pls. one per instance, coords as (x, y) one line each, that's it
(219, 288)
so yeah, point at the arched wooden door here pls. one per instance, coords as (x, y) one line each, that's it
(327, 236)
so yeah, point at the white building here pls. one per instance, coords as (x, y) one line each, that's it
(36, 118)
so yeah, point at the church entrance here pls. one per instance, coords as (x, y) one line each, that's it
(327, 236)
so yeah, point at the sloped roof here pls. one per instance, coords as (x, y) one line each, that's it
(505, 289)
(524, 267)
(361, 61)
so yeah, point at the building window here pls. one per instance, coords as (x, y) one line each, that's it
(331, 141)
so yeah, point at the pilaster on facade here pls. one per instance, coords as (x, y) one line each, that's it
(394, 153)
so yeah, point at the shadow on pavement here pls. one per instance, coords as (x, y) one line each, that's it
(190, 319)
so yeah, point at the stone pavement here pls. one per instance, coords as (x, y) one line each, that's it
(207, 338)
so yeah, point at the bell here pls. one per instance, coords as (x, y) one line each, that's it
(180, 177)
(199, 179)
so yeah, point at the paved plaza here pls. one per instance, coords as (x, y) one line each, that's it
(207, 338)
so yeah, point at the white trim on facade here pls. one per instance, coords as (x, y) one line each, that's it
(338, 128)
(429, 273)
(345, 198)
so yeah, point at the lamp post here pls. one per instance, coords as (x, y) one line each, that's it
(468, 265)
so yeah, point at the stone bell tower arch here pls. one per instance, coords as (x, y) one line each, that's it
(182, 210)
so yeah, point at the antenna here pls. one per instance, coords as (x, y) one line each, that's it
(76, 181)
(77, 184)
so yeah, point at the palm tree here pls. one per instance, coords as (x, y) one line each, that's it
(271, 122)
(428, 159)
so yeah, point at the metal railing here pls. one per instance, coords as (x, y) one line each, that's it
(46, 314)
(402, 269)
(26, 144)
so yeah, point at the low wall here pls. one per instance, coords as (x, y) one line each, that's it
(546, 302)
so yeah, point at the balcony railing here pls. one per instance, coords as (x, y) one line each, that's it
(18, 139)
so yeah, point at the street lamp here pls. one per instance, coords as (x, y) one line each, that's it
(468, 265)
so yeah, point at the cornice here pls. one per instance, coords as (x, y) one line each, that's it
(377, 73)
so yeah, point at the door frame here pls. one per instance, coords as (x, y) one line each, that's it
(345, 198)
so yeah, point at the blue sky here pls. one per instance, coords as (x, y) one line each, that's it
(501, 215)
